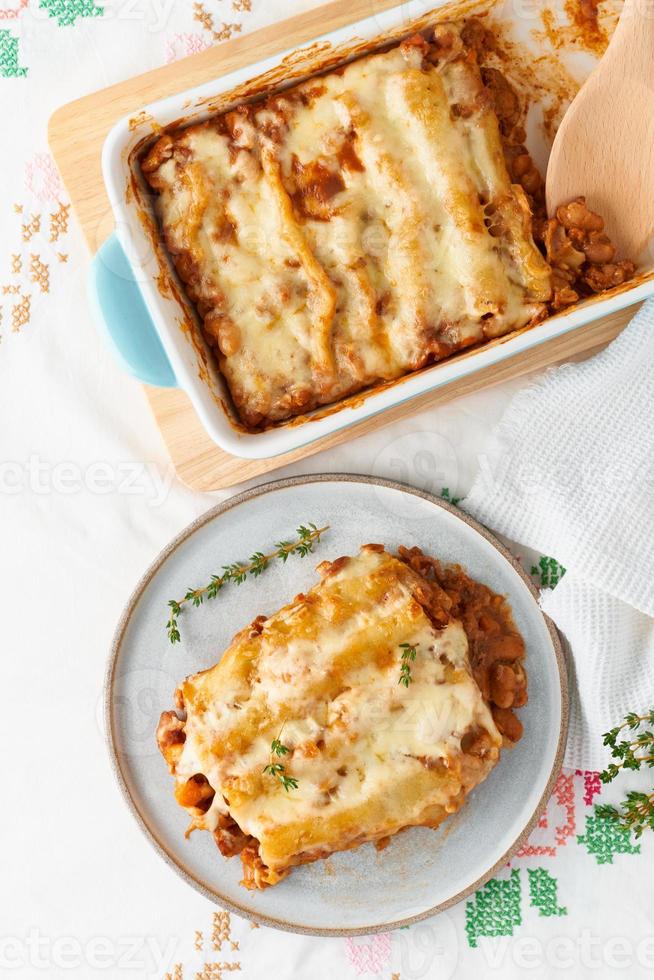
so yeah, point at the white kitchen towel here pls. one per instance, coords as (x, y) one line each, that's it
(570, 473)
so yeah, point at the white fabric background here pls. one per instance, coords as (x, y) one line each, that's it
(87, 498)
(570, 470)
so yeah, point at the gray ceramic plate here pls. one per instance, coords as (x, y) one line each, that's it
(363, 891)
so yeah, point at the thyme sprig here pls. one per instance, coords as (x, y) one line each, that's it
(237, 572)
(408, 656)
(633, 752)
(276, 769)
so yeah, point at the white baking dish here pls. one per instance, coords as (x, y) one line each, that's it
(142, 305)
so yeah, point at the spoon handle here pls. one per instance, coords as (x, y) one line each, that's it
(633, 39)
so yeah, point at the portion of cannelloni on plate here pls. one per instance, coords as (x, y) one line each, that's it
(374, 702)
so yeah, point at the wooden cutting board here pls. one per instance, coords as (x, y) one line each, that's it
(77, 132)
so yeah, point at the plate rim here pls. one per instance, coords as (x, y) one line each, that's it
(109, 735)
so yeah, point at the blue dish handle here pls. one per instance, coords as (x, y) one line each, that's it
(124, 319)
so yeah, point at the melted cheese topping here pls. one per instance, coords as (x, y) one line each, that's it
(338, 234)
(370, 755)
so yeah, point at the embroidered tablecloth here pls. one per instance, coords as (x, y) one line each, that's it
(88, 497)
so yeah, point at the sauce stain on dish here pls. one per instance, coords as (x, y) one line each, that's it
(541, 79)
(164, 284)
(588, 28)
(547, 77)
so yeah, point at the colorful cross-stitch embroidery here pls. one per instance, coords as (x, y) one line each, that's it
(183, 44)
(221, 933)
(68, 11)
(214, 971)
(369, 955)
(603, 839)
(59, 222)
(11, 13)
(592, 786)
(495, 909)
(9, 66)
(42, 179)
(32, 261)
(565, 794)
(20, 313)
(221, 930)
(32, 227)
(563, 801)
(223, 33)
(40, 273)
(548, 571)
(542, 892)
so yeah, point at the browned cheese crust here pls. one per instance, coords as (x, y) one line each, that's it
(369, 756)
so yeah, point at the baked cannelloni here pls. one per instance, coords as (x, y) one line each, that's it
(350, 229)
(373, 703)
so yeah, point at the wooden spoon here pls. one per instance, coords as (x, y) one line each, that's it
(604, 148)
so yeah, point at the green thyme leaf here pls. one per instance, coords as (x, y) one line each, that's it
(238, 572)
(273, 769)
(636, 812)
(276, 769)
(408, 656)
